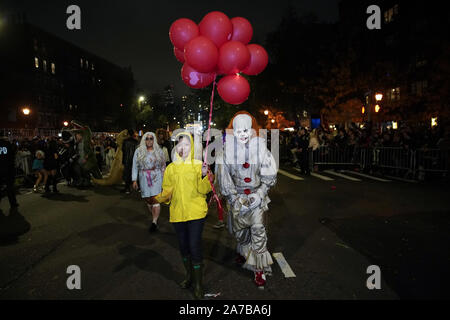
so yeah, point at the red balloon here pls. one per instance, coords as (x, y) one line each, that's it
(233, 57)
(195, 79)
(242, 30)
(202, 54)
(179, 54)
(217, 27)
(258, 60)
(233, 89)
(182, 31)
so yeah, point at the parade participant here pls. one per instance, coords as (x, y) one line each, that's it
(149, 164)
(38, 169)
(245, 175)
(51, 165)
(68, 156)
(7, 170)
(164, 143)
(87, 160)
(128, 148)
(115, 175)
(185, 187)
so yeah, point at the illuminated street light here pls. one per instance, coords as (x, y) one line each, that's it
(394, 125)
(273, 120)
(65, 123)
(141, 99)
(433, 122)
(266, 112)
(378, 96)
(363, 110)
(26, 111)
(377, 108)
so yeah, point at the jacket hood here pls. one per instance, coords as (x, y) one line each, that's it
(191, 153)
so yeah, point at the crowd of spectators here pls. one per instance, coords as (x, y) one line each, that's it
(39, 156)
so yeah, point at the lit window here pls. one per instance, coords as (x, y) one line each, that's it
(44, 65)
(81, 62)
(92, 66)
(53, 68)
(394, 94)
(419, 87)
(87, 64)
(70, 107)
(390, 14)
(36, 62)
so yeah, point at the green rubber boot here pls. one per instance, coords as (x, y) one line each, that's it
(186, 283)
(197, 277)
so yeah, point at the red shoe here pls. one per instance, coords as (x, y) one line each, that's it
(260, 279)
(240, 259)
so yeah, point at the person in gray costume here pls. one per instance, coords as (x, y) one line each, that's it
(245, 174)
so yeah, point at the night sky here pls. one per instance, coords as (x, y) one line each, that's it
(135, 32)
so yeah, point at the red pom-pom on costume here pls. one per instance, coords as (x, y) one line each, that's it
(246, 165)
(247, 191)
(247, 180)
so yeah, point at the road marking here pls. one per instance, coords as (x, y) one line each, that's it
(288, 273)
(317, 175)
(367, 176)
(321, 176)
(287, 174)
(341, 175)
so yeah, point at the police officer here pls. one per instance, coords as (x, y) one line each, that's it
(7, 170)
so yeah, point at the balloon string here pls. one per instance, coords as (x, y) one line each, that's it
(219, 203)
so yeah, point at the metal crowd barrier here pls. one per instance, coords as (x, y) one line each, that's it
(12, 133)
(393, 160)
(328, 155)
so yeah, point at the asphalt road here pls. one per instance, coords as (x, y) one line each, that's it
(329, 231)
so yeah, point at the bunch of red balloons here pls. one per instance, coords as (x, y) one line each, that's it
(218, 46)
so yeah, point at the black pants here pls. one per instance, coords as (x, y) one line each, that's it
(9, 182)
(189, 236)
(304, 161)
(126, 176)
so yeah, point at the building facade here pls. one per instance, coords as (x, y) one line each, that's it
(406, 60)
(47, 81)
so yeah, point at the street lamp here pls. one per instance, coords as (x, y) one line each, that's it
(266, 112)
(378, 96)
(273, 120)
(434, 122)
(141, 99)
(377, 108)
(65, 123)
(26, 111)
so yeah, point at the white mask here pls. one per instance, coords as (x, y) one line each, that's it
(242, 127)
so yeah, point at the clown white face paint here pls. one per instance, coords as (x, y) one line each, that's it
(242, 128)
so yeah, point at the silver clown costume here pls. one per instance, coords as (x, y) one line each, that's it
(245, 174)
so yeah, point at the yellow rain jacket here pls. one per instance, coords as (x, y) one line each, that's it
(184, 188)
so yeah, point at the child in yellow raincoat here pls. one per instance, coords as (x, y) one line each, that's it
(185, 186)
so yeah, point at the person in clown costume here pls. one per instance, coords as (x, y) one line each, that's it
(245, 174)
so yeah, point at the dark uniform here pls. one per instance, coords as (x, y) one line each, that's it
(128, 148)
(7, 170)
(304, 154)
